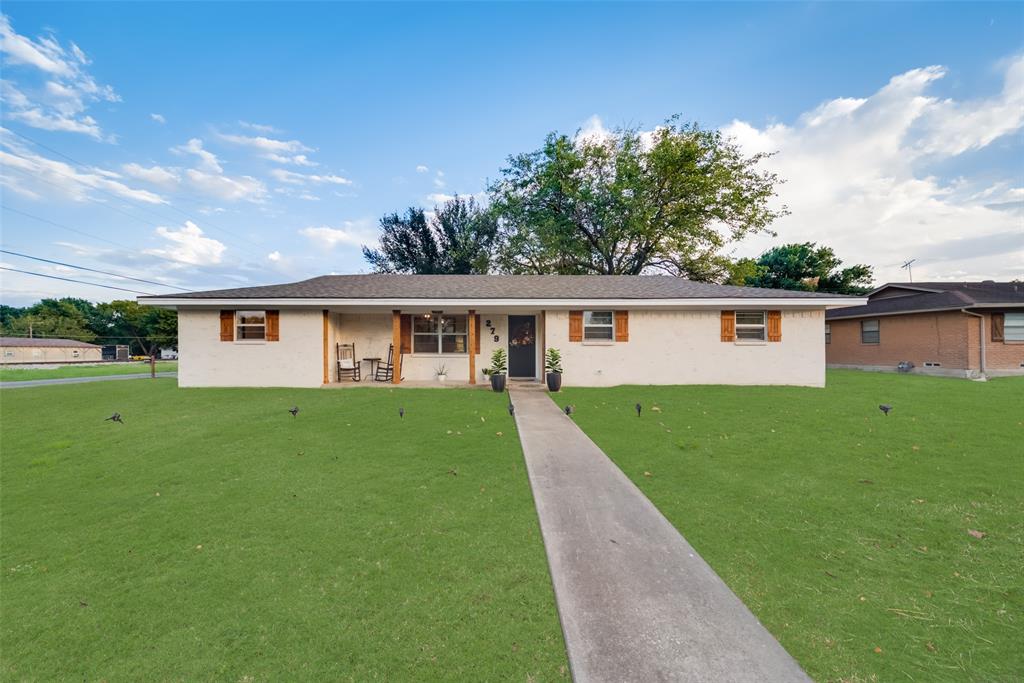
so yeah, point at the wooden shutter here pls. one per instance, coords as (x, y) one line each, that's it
(728, 326)
(622, 326)
(476, 333)
(227, 326)
(273, 326)
(774, 326)
(575, 326)
(406, 332)
(998, 323)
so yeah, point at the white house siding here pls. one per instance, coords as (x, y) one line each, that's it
(685, 347)
(294, 361)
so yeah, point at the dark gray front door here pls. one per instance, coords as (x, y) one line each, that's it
(522, 346)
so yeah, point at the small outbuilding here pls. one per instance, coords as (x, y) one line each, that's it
(19, 350)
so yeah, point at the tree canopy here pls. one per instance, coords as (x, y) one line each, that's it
(631, 202)
(144, 328)
(808, 267)
(457, 238)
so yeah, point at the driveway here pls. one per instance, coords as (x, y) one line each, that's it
(78, 380)
(637, 603)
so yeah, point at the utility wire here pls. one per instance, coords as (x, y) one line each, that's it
(91, 270)
(81, 282)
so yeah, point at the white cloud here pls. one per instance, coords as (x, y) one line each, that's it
(209, 178)
(157, 175)
(265, 144)
(352, 233)
(63, 87)
(439, 182)
(441, 197)
(862, 176)
(159, 118)
(297, 159)
(422, 169)
(274, 256)
(208, 161)
(293, 178)
(36, 176)
(188, 245)
(258, 127)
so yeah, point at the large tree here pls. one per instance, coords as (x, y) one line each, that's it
(809, 267)
(144, 328)
(61, 318)
(458, 238)
(629, 202)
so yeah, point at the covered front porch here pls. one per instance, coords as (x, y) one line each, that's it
(425, 341)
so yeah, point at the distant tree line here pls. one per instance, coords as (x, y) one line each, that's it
(623, 203)
(145, 328)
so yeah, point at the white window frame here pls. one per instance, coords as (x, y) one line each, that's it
(589, 325)
(438, 334)
(828, 333)
(759, 329)
(877, 331)
(1017, 326)
(239, 325)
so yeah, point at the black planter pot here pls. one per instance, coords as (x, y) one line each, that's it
(498, 383)
(554, 381)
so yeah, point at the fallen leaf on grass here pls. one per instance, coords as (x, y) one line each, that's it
(878, 650)
(646, 473)
(656, 409)
(454, 473)
(865, 481)
(930, 646)
(976, 533)
(499, 434)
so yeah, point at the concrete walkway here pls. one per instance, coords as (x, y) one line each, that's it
(77, 380)
(636, 602)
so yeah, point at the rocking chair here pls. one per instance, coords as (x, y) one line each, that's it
(348, 365)
(386, 370)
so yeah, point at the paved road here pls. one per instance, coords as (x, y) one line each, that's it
(78, 380)
(636, 601)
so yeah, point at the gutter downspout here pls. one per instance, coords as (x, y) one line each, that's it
(981, 338)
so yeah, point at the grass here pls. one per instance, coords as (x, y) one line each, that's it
(214, 536)
(11, 374)
(845, 531)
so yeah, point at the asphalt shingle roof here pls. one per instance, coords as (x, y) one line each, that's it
(944, 296)
(47, 342)
(388, 286)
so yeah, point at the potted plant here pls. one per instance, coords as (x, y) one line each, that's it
(442, 372)
(499, 364)
(553, 369)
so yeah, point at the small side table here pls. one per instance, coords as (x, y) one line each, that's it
(374, 362)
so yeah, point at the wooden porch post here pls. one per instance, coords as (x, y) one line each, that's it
(396, 341)
(471, 321)
(327, 367)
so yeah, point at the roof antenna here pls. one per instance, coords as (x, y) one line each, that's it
(910, 273)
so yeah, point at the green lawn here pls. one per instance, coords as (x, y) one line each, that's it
(214, 536)
(12, 374)
(846, 532)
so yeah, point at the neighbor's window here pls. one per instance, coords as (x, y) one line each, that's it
(750, 325)
(1013, 327)
(8, 354)
(828, 333)
(598, 325)
(75, 353)
(869, 332)
(250, 325)
(432, 333)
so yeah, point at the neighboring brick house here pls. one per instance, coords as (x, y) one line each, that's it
(966, 329)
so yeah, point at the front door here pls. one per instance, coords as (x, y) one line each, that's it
(522, 346)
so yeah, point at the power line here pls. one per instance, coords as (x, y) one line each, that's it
(81, 282)
(88, 234)
(82, 337)
(92, 270)
(125, 199)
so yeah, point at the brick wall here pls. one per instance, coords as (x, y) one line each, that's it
(949, 338)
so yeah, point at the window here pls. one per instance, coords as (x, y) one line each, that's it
(8, 354)
(869, 332)
(598, 326)
(75, 353)
(750, 326)
(1013, 327)
(932, 364)
(433, 333)
(250, 325)
(828, 333)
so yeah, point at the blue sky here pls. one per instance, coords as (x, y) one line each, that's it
(212, 145)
